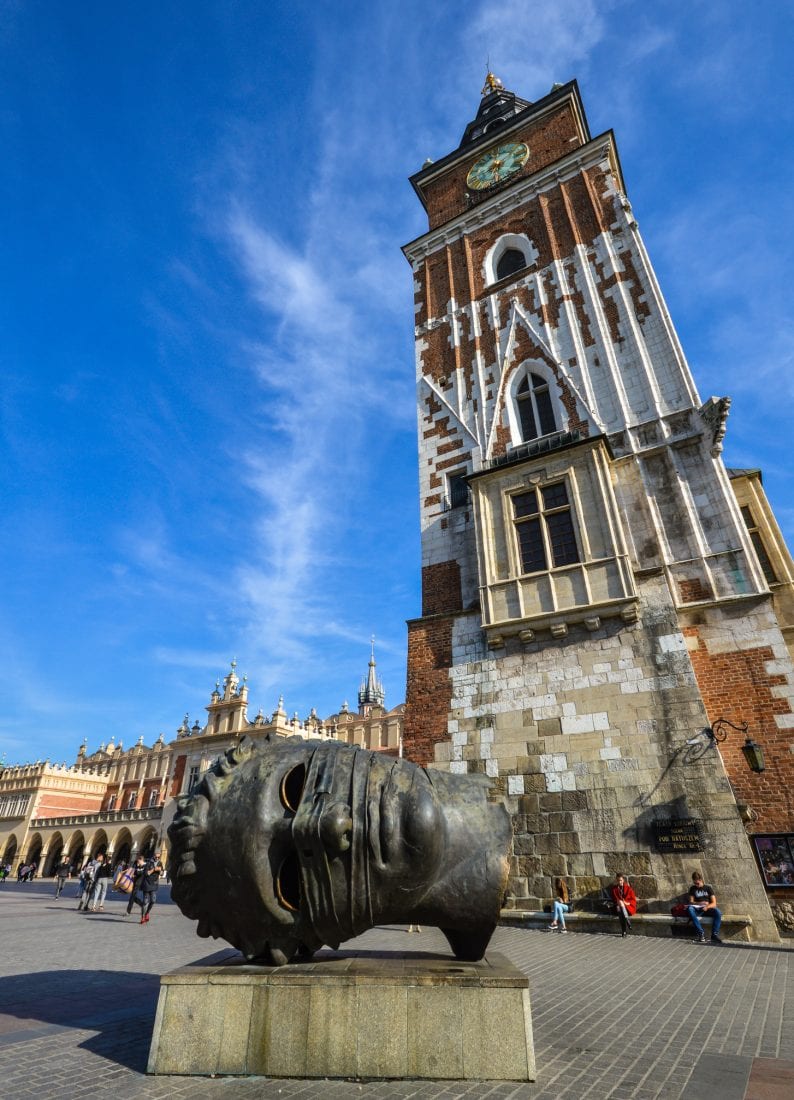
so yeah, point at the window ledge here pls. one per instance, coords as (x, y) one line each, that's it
(500, 284)
(558, 623)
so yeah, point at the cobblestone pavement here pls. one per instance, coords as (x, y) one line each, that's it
(622, 1019)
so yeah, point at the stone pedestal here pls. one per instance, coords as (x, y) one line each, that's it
(368, 1015)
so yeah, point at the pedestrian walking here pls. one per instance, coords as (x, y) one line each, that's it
(149, 885)
(138, 871)
(101, 882)
(87, 883)
(62, 872)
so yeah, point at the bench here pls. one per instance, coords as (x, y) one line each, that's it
(734, 926)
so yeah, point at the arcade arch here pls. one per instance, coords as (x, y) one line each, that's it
(99, 844)
(53, 857)
(122, 847)
(76, 849)
(34, 849)
(10, 850)
(147, 842)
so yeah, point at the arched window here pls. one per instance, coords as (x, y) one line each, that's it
(511, 261)
(535, 408)
(509, 254)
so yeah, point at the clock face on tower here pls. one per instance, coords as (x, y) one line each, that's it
(496, 165)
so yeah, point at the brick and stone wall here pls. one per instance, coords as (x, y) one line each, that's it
(429, 687)
(586, 740)
(745, 674)
(578, 688)
(548, 138)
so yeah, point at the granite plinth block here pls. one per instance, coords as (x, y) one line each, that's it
(370, 1015)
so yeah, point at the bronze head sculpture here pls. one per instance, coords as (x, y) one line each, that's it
(289, 844)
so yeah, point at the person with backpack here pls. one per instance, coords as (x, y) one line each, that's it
(149, 885)
(87, 883)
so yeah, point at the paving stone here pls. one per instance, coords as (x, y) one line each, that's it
(639, 1018)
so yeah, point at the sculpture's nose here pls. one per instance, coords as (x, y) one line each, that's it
(336, 827)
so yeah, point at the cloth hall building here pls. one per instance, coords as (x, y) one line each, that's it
(121, 802)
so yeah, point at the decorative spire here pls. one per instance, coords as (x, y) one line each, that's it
(371, 693)
(231, 681)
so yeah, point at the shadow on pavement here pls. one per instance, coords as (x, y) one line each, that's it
(45, 886)
(118, 1005)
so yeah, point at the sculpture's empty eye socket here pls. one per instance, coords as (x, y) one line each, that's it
(292, 787)
(288, 883)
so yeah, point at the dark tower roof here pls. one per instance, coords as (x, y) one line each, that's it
(497, 107)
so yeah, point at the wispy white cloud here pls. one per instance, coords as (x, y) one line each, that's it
(325, 375)
(331, 301)
(548, 41)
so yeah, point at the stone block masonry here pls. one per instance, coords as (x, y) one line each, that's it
(346, 1016)
(586, 738)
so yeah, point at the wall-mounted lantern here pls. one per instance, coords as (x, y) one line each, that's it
(751, 750)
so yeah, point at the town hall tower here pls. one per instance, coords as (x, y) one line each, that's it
(591, 597)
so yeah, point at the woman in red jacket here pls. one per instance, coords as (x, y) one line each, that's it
(625, 903)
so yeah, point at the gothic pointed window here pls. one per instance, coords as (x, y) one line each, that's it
(511, 261)
(535, 409)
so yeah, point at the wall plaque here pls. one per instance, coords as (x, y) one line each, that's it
(678, 834)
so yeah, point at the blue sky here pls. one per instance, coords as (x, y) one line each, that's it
(207, 413)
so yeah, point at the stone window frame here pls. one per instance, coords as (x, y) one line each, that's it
(458, 494)
(571, 507)
(14, 805)
(754, 531)
(528, 367)
(518, 241)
